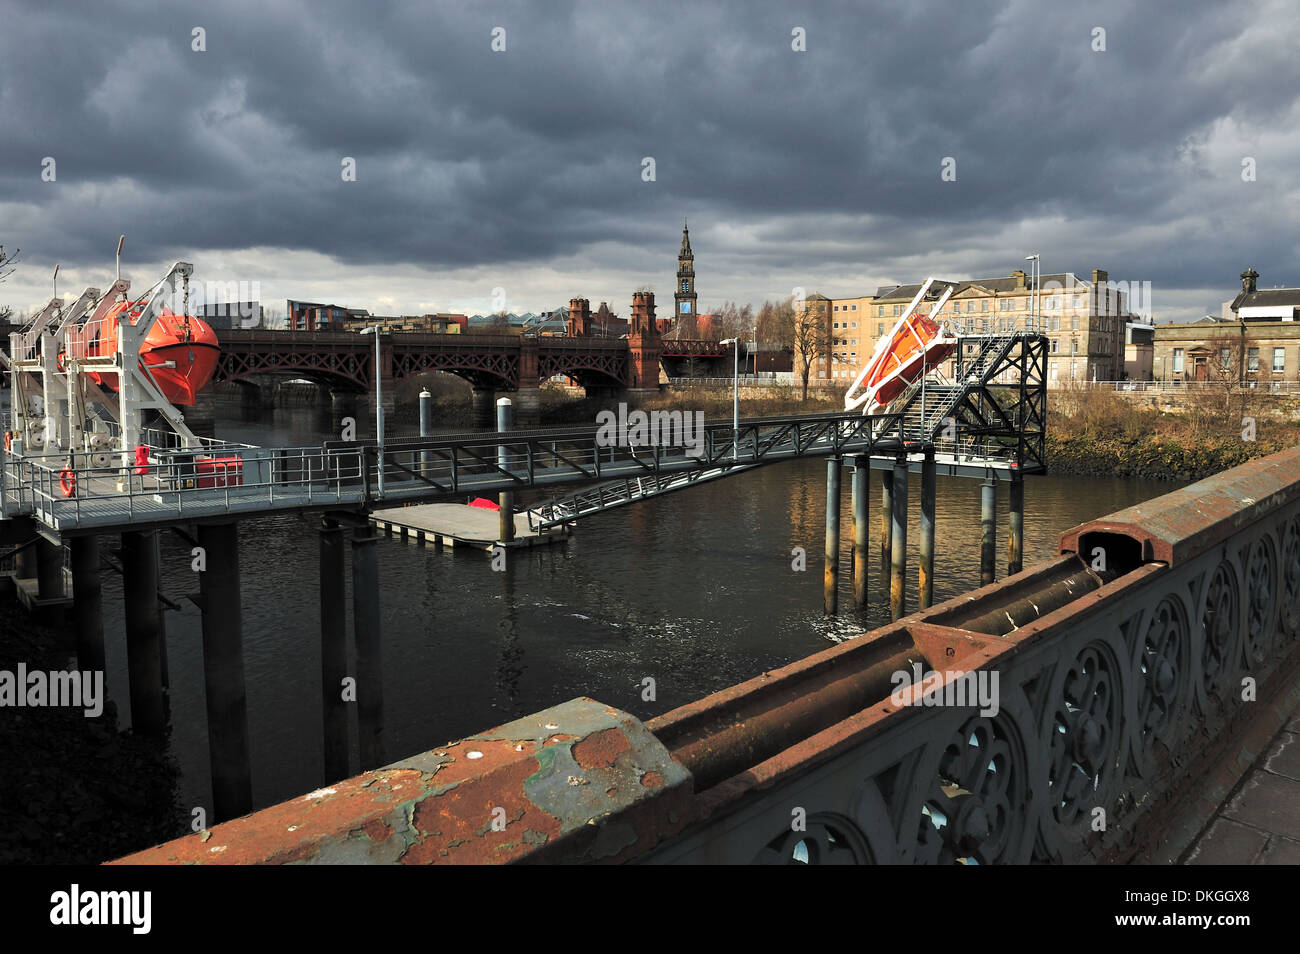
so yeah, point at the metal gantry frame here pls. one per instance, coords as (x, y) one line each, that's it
(58, 409)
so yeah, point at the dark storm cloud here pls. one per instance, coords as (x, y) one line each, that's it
(1128, 158)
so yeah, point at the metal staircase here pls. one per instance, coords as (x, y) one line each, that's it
(927, 405)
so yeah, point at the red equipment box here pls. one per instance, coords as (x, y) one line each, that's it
(219, 471)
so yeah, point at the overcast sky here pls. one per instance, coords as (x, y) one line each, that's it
(524, 169)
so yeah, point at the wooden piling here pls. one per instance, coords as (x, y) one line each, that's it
(988, 531)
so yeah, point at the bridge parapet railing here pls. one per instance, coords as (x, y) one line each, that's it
(1065, 714)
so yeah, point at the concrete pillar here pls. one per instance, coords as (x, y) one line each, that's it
(898, 544)
(25, 563)
(366, 623)
(1016, 522)
(925, 573)
(861, 529)
(484, 414)
(223, 672)
(88, 604)
(506, 499)
(143, 631)
(886, 519)
(426, 427)
(988, 531)
(334, 651)
(830, 578)
(49, 569)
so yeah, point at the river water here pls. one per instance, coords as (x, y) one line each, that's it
(695, 590)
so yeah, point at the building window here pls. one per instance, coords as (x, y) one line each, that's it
(1178, 361)
(880, 311)
(1074, 346)
(853, 307)
(686, 284)
(853, 324)
(1074, 322)
(984, 305)
(970, 307)
(1279, 360)
(1252, 359)
(1055, 342)
(1076, 302)
(880, 328)
(835, 324)
(1225, 357)
(898, 310)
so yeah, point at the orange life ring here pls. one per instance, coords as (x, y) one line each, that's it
(68, 481)
(9, 440)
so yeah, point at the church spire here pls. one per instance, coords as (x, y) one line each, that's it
(686, 242)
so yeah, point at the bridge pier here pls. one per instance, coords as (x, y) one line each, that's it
(223, 672)
(861, 529)
(201, 418)
(988, 531)
(342, 404)
(144, 632)
(88, 603)
(898, 543)
(366, 622)
(528, 407)
(483, 409)
(506, 499)
(1016, 525)
(830, 577)
(925, 572)
(334, 650)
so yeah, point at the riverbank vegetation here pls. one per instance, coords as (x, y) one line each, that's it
(1097, 432)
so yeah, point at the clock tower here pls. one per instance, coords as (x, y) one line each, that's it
(684, 298)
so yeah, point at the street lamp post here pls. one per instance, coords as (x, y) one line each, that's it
(1036, 273)
(379, 405)
(735, 401)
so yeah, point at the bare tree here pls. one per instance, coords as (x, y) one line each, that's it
(774, 323)
(7, 261)
(812, 339)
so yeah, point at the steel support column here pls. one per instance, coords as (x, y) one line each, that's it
(988, 531)
(898, 544)
(49, 569)
(366, 623)
(1016, 525)
(861, 529)
(506, 499)
(886, 519)
(88, 603)
(334, 651)
(925, 572)
(143, 631)
(830, 577)
(223, 672)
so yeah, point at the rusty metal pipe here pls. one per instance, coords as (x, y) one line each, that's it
(1049, 594)
(756, 732)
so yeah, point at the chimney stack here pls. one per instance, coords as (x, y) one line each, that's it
(1019, 276)
(1100, 276)
(643, 313)
(1248, 278)
(579, 318)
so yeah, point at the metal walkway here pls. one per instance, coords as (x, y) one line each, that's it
(974, 427)
(223, 480)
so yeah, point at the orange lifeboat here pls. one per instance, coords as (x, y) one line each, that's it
(915, 345)
(179, 353)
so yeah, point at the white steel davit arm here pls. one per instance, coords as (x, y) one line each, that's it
(853, 400)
